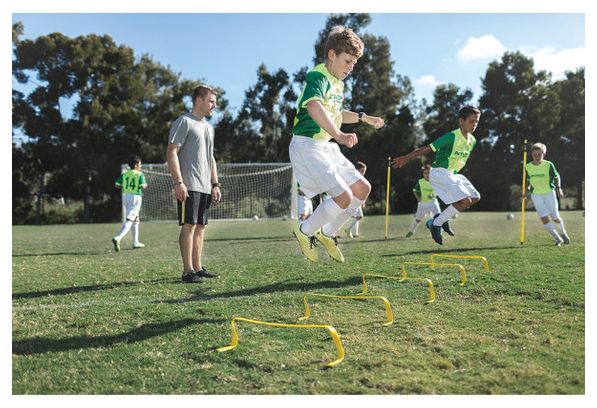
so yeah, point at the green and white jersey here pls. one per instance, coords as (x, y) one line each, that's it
(452, 150)
(423, 189)
(323, 87)
(542, 176)
(131, 182)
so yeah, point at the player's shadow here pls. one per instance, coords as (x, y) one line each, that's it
(89, 288)
(441, 251)
(252, 239)
(284, 286)
(74, 253)
(40, 345)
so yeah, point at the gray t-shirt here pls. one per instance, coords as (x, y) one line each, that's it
(196, 140)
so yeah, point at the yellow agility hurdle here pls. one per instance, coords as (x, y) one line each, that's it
(389, 315)
(333, 333)
(431, 264)
(430, 288)
(482, 258)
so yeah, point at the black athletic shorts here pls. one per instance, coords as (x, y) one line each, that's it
(195, 208)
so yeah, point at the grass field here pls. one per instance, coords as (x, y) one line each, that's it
(87, 320)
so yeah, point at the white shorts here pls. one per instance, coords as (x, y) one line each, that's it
(132, 205)
(451, 187)
(320, 167)
(304, 205)
(429, 207)
(546, 204)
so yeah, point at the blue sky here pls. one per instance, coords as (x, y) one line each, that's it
(225, 49)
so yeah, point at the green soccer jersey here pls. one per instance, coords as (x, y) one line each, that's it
(452, 150)
(323, 87)
(423, 189)
(542, 177)
(131, 182)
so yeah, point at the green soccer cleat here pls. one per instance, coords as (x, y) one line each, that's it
(138, 245)
(331, 245)
(306, 243)
(116, 244)
(409, 234)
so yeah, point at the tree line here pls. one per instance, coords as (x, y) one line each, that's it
(122, 103)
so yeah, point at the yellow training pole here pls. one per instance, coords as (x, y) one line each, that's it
(388, 196)
(524, 162)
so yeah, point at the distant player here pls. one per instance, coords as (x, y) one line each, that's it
(427, 200)
(451, 153)
(304, 205)
(352, 230)
(132, 183)
(545, 185)
(318, 164)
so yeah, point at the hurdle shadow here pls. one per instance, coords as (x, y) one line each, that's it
(73, 253)
(442, 250)
(89, 288)
(41, 345)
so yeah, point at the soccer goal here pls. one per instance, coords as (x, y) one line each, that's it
(264, 190)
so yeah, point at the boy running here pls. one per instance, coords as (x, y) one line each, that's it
(451, 153)
(423, 192)
(131, 182)
(544, 185)
(319, 165)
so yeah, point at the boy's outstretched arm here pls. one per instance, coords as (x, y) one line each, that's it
(320, 116)
(353, 117)
(400, 161)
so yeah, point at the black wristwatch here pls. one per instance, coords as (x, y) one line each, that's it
(361, 114)
(216, 184)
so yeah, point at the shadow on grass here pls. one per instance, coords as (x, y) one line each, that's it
(278, 238)
(275, 287)
(77, 289)
(40, 345)
(441, 250)
(74, 253)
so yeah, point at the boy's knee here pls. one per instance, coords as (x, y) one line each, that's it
(343, 200)
(361, 189)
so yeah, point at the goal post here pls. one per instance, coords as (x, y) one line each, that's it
(264, 190)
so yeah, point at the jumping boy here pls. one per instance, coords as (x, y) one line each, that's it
(132, 182)
(318, 164)
(544, 185)
(427, 200)
(451, 153)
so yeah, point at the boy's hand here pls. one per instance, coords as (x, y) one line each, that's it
(347, 139)
(559, 192)
(398, 162)
(374, 121)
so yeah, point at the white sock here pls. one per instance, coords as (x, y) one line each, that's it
(448, 213)
(328, 210)
(414, 225)
(126, 226)
(135, 231)
(336, 223)
(355, 227)
(561, 225)
(552, 230)
(351, 224)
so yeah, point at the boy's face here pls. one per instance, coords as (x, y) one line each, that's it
(470, 123)
(362, 170)
(426, 174)
(341, 65)
(537, 154)
(206, 105)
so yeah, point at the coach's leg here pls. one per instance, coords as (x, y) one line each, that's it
(198, 246)
(185, 240)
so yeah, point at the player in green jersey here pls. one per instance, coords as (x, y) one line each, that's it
(544, 186)
(318, 164)
(451, 153)
(132, 183)
(427, 200)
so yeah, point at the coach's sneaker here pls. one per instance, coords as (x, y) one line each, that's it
(409, 234)
(306, 243)
(116, 243)
(138, 245)
(191, 277)
(331, 245)
(566, 239)
(203, 273)
(436, 232)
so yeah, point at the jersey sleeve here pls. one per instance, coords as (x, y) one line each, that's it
(142, 179)
(444, 140)
(118, 181)
(417, 188)
(315, 87)
(553, 173)
(178, 131)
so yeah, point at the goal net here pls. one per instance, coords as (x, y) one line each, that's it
(248, 189)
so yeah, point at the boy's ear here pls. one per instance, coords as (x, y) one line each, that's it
(331, 54)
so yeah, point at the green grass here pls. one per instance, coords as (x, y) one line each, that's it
(87, 320)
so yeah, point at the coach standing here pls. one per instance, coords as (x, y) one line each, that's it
(195, 176)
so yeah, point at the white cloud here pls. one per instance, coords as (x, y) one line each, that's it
(485, 47)
(427, 80)
(558, 61)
